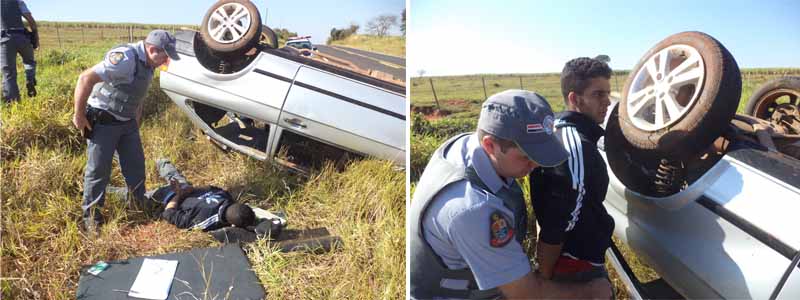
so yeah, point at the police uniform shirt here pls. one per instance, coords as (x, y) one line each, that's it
(23, 9)
(118, 66)
(457, 222)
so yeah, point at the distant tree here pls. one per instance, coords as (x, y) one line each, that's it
(381, 25)
(340, 34)
(403, 22)
(421, 72)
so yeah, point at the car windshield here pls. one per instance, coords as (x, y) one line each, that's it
(300, 45)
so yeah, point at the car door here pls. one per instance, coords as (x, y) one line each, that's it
(791, 287)
(346, 113)
(706, 241)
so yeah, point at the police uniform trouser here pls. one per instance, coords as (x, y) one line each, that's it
(10, 45)
(124, 138)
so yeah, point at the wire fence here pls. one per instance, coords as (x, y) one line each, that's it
(456, 93)
(453, 94)
(56, 35)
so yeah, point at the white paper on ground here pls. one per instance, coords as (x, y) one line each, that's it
(154, 279)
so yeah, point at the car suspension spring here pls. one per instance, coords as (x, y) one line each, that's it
(223, 67)
(669, 177)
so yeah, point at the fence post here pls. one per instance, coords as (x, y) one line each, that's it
(130, 34)
(520, 83)
(434, 94)
(484, 88)
(58, 35)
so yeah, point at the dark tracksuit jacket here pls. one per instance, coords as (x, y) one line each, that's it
(203, 208)
(568, 199)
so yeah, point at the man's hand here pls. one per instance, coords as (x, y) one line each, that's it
(533, 286)
(80, 121)
(180, 190)
(35, 39)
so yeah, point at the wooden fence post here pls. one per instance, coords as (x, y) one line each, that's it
(58, 35)
(434, 94)
(130, 34)
(484, 88)
(520, 83)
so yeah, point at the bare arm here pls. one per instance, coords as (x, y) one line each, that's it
(546, 256)
(83, 88)
(29, 17)
(531, 286)
(180, 194)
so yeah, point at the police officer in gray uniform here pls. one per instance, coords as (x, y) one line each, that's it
(115, 89)
(14, 39)
(468, 216)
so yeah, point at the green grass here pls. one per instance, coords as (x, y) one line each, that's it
(460, 98)
(391, 45)
(42, 160)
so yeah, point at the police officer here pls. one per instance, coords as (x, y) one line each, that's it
(468, 216)
(115, 89)
(15, 39)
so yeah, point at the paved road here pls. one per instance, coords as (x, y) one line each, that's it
(383, 57)
(366, 60)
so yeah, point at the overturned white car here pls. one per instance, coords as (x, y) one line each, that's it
(276, 104)
(709, 199)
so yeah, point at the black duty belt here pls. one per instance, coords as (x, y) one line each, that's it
(103, 117)
(13, 30)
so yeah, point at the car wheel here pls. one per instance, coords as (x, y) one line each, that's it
(775, 100)
(231, 27)
(268, 37)
(680, 96)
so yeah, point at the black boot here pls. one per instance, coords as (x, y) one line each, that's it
(31, 89)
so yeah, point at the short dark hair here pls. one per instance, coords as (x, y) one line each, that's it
(504, 143)
(240, 215)
(577, 72)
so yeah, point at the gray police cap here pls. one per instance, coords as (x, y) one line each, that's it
(525, 118)
(164, 40)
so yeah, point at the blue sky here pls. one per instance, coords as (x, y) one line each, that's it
(315, 17)
(451, 37)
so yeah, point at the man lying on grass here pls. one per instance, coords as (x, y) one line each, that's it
(206, 208)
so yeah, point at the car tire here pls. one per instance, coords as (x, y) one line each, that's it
(696, 96)
(764, 101)
(268, 37)
(231, 27)
(626, 162)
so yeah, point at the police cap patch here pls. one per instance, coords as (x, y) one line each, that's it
(115, 57)
(500, 233)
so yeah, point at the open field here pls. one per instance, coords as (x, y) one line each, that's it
(458, 93)
(66, 34)
(460, 98)
(42, 160)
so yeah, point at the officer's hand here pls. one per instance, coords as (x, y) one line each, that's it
(80, 122)
(35, 39)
